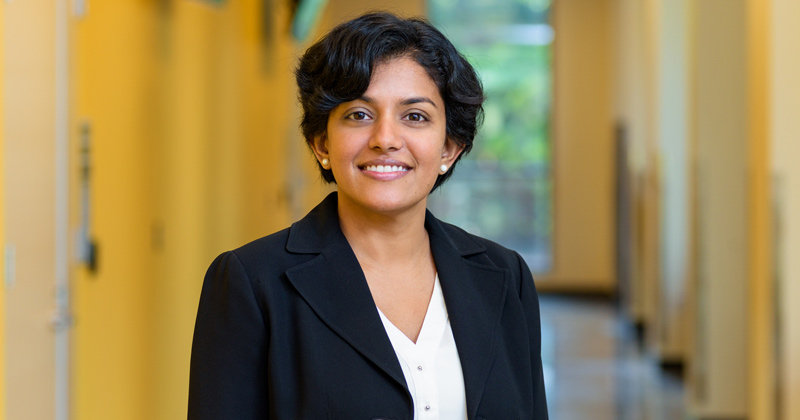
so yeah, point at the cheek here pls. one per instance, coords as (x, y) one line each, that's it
(344, 153)
(338, 145)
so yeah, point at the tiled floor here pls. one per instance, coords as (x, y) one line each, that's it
(594, 369)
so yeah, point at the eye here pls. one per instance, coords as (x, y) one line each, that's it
(416, 117)
(357, 116)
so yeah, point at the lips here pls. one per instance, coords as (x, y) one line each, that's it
(385, 169)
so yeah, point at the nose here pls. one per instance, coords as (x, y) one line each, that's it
(386, 135)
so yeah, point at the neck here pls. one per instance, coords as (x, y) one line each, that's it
(378, 238)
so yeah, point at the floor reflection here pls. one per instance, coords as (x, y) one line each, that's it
(594, 368)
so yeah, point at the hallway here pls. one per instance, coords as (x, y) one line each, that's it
(594, 368)
(140, 139)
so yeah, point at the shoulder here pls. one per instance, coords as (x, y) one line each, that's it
(304, 240)
(266, 245)
(479, 249)
(266, 256)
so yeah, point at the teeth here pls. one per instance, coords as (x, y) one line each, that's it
(385, 168)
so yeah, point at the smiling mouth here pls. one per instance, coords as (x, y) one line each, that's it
(385, 168)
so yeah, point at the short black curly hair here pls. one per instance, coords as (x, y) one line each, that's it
(338, 68)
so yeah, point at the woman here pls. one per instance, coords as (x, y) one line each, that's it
(370, 307)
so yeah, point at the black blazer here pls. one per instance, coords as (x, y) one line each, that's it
(287, 329)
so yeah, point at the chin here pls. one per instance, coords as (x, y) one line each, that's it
(389, 206)
(388, 203)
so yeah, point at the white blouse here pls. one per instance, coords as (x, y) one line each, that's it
(431, 367)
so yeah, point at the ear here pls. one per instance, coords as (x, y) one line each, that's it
(450, 152)
(320, 147)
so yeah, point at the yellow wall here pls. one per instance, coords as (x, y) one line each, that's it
(761, 329)
(114, 92)
(583, 148)
(187, 107)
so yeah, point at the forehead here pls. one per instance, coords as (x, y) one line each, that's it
(402, 77)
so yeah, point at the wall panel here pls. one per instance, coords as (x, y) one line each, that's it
(761, 302)
(2, 237)
(717, 388)
(583, 145)
(785, 141)
(29, 111)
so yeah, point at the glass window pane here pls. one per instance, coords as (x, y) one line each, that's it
(503, 189)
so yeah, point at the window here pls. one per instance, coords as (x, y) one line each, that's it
(503, 189)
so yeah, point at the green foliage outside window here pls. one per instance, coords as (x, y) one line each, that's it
(503, 189)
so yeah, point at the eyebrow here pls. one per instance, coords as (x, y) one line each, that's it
(408, 101)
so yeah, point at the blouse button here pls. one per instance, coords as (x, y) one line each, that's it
(427, 407)
(419, 368)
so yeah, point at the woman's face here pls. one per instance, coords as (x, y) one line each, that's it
(386, 148)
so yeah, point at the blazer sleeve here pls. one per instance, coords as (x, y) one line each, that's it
(228, 373)
(530, 301)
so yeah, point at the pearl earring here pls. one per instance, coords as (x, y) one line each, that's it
(325, 162)
(443, 168)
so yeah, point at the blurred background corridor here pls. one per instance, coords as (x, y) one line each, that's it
(640, 154)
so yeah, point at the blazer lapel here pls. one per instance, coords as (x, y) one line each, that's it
(334, 285)
(475, 296)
